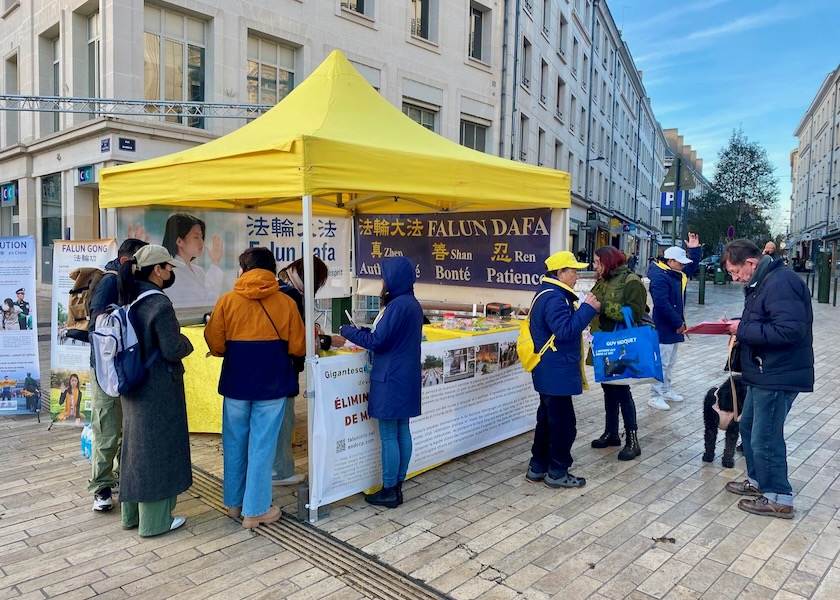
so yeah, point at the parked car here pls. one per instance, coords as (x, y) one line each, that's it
(709, 265)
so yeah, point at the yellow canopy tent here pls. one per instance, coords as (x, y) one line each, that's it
(334, 137)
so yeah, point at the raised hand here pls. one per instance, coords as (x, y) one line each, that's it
(693, 240)
(138, 232)
(592, 301)
(216, 250)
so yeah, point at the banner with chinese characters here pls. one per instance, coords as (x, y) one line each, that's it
(504, 249)
(70, 389)
(475, 393)
(20, 386)
(210, 242)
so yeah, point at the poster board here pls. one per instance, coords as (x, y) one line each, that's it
(70, 358)
(474, 394)
(20, 372)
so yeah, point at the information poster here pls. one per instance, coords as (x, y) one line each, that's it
(20, 373)
(70, 390)
(474, 394)
(505, 249)
(210, 242)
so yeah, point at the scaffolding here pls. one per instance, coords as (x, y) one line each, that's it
(177, 111)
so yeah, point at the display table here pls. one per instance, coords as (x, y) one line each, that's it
(201, 383)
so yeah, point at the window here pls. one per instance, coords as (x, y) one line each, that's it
(526, 62)
(543, 81)
(424, 19)
(523, 138)
(93, 44)
(426, 117)
(540, 147)
(50, 222)
(473, 135)
(174, 61)
(271, 71)
(480, 28)
(11, 119)
(363, 7)
(546, 15)
(560, 99)
(572, 114)
(574, 56)
(585, 72)
(56, 77)
(558, 154)
(562, 32)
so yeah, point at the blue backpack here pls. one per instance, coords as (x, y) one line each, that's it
(117, 352)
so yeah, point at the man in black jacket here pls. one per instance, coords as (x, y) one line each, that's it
(777, 361)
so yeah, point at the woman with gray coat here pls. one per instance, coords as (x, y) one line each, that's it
(155, 462)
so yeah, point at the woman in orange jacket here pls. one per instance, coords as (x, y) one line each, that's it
(257, 329)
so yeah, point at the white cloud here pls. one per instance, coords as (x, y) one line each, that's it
(739, 25)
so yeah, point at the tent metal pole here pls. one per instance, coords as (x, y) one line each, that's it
(309, 327)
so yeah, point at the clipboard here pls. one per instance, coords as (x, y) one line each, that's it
(709, 328)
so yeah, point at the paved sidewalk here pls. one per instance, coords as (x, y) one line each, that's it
(658, 527)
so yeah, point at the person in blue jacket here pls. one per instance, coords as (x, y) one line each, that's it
(395, 375)
(776, 334)
(668, 280)
(559, 375)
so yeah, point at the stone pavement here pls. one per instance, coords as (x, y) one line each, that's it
(658, 527)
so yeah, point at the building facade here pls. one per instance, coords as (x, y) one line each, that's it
(88, 84)
(676, 146)
(815, 174)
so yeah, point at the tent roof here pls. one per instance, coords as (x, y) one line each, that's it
(336, 138)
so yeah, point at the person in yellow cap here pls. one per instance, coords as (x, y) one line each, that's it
(557, 320)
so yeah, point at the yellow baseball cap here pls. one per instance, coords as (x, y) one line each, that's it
(564, 260)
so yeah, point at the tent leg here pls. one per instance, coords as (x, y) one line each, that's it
(309, 328)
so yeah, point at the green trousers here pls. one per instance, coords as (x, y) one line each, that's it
(150, 518)
(106, 422)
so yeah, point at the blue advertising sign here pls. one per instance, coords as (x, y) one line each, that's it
(8, 194)
(666, 202)
(505, 249)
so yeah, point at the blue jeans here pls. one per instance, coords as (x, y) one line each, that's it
(249, 436)
(284, 459)
(395, 437)
(615, 397)
(763, 436)
(553, 438)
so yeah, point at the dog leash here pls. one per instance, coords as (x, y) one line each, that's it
(732, 340)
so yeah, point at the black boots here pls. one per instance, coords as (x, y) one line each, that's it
(631, 446)
(607, 439)
(386, 497)
(399, 492)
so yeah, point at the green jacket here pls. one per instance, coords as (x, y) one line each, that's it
(623, 288)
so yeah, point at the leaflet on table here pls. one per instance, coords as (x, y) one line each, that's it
(502, 249)
(20, 386)
(474, 394)
(70, 390)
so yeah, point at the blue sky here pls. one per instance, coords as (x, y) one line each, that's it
(713, 65)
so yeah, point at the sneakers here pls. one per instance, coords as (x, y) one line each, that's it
(672, 396)
(102, 501)
(566, 481)
(743, 488)
(177, 522)
(293, 480)
(658, 402)
(766, 508)
(533, 477)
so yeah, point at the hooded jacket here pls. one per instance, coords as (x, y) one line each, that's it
(560, 371)
(395, 342)
(776, 330)
(667, 288)
(257, 347)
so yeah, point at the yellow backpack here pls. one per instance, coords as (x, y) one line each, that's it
(525, 343)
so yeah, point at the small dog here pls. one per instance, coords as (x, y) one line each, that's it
(723, 396)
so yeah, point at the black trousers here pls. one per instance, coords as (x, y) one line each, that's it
(615, 397)
(553, 438)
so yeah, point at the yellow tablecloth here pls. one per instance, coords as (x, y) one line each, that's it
(201, 383)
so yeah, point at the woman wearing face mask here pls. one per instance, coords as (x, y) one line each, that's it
(71, 400)
(257, 329)
(291, 284)
(184, 237)
(395, 375)
(10, 319)
(155, 461)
